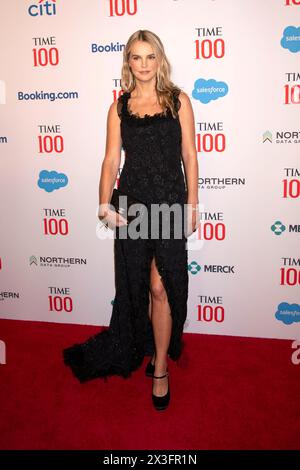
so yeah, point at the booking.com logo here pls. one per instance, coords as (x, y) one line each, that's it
(47, 95)
(44, 7)
(112, 47)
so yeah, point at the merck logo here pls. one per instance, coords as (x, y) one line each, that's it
(278, 228)
(194, 267)
(43, 8)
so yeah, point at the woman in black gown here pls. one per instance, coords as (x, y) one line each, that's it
(153, 120)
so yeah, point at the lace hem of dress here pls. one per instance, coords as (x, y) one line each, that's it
(147, 116)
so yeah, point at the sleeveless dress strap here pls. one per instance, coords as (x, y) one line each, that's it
(120, 105)
(176, 99)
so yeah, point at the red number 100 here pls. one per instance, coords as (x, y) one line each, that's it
(43, 57)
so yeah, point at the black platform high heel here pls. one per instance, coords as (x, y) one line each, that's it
(161, 403)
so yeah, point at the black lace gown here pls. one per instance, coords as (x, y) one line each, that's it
(152, 173)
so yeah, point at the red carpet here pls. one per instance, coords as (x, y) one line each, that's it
(226, 393)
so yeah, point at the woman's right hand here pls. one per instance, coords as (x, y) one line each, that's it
(110, 218)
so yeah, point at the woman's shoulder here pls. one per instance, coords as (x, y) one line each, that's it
(180, 94)
(119, 102)
(181, 98)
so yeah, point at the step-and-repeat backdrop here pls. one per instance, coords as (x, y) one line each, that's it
(238, 60)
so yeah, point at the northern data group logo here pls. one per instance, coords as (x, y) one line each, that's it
(281, 137)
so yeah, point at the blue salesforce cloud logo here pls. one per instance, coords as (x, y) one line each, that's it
(208, 90)
(288, 313)
(291, 39)
(51, 180)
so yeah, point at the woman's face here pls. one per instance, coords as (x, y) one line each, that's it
(143, 61)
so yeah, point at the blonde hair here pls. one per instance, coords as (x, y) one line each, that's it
(164, 86)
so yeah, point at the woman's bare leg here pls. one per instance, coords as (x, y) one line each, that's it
(162, 326)
(150, 316)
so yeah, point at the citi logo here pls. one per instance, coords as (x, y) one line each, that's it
(43, 8)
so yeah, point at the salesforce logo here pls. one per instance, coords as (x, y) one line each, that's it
(51, 180)
(291, 39)
(112, 47)
(208, 90)
(288, 313)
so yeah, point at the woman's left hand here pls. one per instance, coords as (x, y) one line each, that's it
(193, 217)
